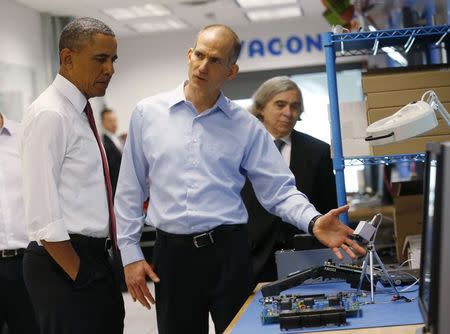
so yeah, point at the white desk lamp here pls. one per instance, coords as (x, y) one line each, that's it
(411, 120)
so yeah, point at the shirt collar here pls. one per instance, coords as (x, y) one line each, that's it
(286, 139)
(71, 92)
(177, 96)
(224, 104)
(9, 127)
(109, 134)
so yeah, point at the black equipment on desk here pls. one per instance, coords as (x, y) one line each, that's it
(350, 273)
(306, 242)
(434, 294)
(400, 277)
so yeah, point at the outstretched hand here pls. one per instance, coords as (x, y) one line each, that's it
(135, 277)
(329, 230)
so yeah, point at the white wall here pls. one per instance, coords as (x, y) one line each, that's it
(146, 66)
(20, 34)
(21, 39)
(155, 63)
(22, 69)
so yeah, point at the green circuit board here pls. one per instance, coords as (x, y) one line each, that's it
(296, 311)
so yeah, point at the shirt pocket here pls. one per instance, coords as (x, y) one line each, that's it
(222, 155)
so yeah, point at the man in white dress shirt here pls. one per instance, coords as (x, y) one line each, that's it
(67, 192)
(15, 306)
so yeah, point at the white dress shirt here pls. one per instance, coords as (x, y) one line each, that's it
(64, 186)
(13, 231)
(286, 148)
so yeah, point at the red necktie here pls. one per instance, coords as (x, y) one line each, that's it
(112, 217)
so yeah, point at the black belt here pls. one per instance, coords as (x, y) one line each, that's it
(95, 244)
(11, 252)
(200, 240)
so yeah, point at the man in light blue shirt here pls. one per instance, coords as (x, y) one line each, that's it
(189, 150)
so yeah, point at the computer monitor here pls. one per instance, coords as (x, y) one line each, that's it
(434, 291)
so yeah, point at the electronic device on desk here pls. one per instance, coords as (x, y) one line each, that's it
(350, 273)
(307, 242)
(290, 260)
(308, 252)
(297, 311)
(434, 293)
(402, 277)
(366, 233)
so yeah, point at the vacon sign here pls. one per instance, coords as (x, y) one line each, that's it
(276, 46)
(291, 50)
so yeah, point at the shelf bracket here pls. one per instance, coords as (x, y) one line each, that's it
(442, 38)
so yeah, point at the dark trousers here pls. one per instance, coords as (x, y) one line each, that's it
(15, 306)
(93, 304)
(216, 278)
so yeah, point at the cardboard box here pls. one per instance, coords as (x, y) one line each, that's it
(355, 148)
(353, 120)
(408, 208)
(405, 78)
(400, 98)
(411, 250)
(409, 146)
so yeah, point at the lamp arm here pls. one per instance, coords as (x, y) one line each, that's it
(436, 105)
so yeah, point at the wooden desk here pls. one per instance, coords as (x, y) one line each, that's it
(243, 308)
(407, 329)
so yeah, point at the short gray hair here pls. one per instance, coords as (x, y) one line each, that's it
(269, 89)
(77, 32)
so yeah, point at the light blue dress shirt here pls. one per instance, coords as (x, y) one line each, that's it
(193, 167)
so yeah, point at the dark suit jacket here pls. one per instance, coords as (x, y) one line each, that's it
(114, 157)
(313, 170)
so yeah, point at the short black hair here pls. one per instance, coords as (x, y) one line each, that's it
(77, 32)
(104, 112)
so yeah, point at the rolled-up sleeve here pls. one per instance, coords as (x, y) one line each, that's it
(43, 150)
(274, 183)
(132, 191)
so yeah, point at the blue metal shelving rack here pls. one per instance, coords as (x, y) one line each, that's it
(362, 43)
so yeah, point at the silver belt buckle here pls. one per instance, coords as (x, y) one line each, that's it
(200, 236)
(108, 244)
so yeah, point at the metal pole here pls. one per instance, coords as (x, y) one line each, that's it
(433, 53)
(372, 297)
(336, 142)
(386, 274)
(363, 273)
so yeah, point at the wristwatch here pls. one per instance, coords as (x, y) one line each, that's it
(311, 224)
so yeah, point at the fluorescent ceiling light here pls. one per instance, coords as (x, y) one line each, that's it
(261, 3)
(274, 13)
(134, 12)
(166, 25)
